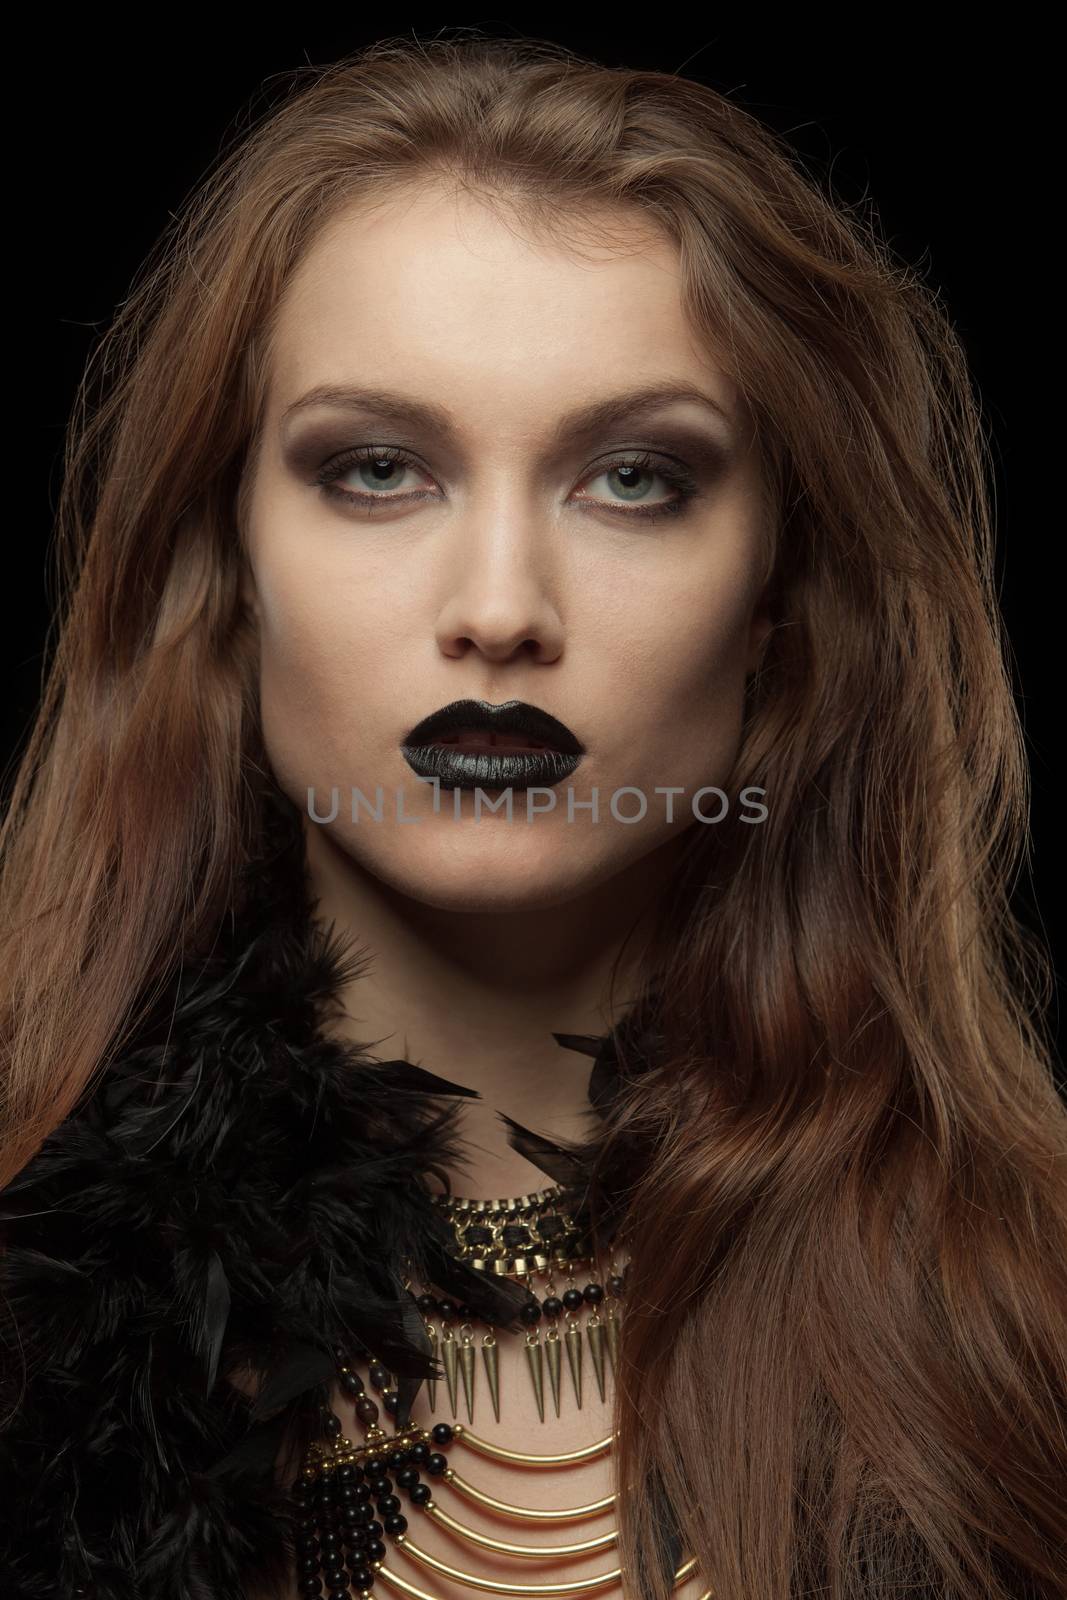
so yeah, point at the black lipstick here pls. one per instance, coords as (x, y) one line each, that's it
(471, 744)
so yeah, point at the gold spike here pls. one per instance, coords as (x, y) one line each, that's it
(451, 1359)
(573, 1340)
(491, 1358)
(595, 1334)
(554, 1352)
(612, 1328)
(537, 1377)
(431, 1383)
(467, 1373)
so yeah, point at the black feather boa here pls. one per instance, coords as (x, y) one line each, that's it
(236, 1192)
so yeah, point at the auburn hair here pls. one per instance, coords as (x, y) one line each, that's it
(843, 1365)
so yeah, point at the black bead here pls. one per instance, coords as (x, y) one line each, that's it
(351, 1383)
(530, 1313)
(615, 1286)
(420, 1494)
(375, 1550)
(397, 1458)
(388, 1505)
(442, 1433)
(333, 1577)
(308, 1565)
(427, 1304)
(593, 1293)
(572, 1299)
(407, 1476)
(345, 1473)
(378, 1374)
(332, 1426)
(391, 1402)
(366, 1410)
(379, 1485)
(374, 1530)
(436, 1464)
(446, 1310)
(329, 1541)
(396, 1524)
(467, 1313)
(553, 1306)
(419, 1452)
(341, 1591)
(309, 1586)
(362, 1576)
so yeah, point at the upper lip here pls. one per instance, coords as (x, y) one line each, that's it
(513, 716)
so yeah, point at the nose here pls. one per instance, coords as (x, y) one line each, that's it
(502, 592)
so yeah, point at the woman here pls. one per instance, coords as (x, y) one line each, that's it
(533, 615)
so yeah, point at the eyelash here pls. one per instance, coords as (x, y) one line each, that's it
(679, 477)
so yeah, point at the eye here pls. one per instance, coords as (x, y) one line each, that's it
(625, 474)
(386, 465)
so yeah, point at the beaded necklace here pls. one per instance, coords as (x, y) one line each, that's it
(340, 1542)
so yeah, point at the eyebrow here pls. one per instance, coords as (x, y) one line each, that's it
(585, 420)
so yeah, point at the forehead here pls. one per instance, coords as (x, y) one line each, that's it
(440, 294)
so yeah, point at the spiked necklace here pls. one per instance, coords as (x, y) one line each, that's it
(340, 1543)
(535, 1239)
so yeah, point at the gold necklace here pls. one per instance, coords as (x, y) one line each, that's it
(340, 1543)
(532, 1238)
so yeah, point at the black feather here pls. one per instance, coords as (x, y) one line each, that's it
(303, 1366)
(558, 1161)
(235, 1194)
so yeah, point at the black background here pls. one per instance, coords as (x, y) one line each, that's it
(947, 134)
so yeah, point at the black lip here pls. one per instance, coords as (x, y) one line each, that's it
(485, 769)
(513, 716)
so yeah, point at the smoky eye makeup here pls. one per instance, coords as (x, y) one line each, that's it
(310, 447)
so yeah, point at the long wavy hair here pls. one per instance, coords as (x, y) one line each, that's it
(843, 1364)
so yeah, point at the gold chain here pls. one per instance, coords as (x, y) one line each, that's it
(535, 1240)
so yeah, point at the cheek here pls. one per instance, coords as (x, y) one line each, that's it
(324, 654)
(679, 686)
(322, 626)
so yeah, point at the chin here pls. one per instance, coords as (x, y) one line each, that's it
(475, 872)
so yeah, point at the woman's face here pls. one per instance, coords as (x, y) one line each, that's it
(499, 551)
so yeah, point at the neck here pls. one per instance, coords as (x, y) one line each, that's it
(475, 996)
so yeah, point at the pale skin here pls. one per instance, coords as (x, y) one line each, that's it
(520, 573)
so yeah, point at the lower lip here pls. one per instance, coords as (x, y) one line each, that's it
(489, 768)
